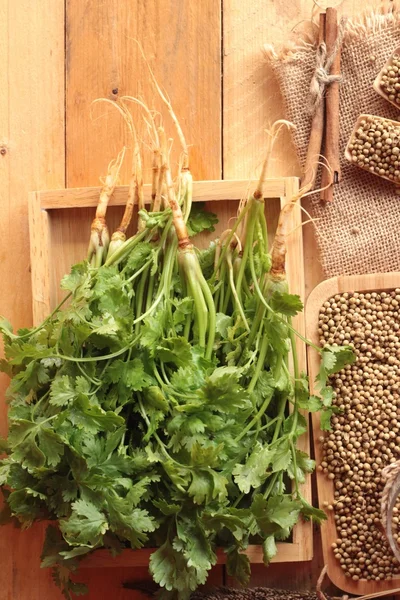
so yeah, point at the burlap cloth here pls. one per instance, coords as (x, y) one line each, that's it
(359, 230)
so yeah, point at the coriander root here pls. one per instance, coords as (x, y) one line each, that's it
(99, 237)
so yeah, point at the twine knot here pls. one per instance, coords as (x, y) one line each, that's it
(323, 64)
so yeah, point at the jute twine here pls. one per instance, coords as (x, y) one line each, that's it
(322, 77)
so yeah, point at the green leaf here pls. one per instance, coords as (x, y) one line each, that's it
(223, 392)
(129, 522)
(276, 513)
(283, 510)
(305, 463)
(269, 549)
(130, 374)
(309, 512)
(237, 521)
(51, 445)
(62, 391)
(86, 525)
(200, 220)
(139, 255)
(238, 566)
(195, 546)
(174, 350)
(282, 456)
(166, 508)
(222, 325)
(201, 488)
(286, 304)
(78, 277)
(333, 359)
(312, 404)
(254, 472)
(170, 570)
(325, 419)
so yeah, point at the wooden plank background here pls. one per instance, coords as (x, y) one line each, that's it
(56, 57)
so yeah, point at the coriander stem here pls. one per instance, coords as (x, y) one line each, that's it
(96, 358)
(271, 484)
(254, 420)
(294, 458)
(259, 365)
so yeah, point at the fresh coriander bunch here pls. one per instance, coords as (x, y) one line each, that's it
(157, 407)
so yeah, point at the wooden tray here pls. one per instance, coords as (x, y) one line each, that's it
(347, 152)
(377, 86)
(324, 291)
(59, 225)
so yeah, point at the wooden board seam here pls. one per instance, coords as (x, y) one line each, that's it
(203, 191)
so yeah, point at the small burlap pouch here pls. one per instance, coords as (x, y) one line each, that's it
(358, 231)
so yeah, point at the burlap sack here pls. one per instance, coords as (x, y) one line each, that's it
(360, 228)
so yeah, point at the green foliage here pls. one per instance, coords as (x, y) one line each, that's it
(125, 432)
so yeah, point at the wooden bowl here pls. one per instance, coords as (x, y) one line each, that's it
(377, 82)
(347, 152)
(325, 486)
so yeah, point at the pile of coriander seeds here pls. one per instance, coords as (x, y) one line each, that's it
(365, 435)
(389, 80)
(375, 146)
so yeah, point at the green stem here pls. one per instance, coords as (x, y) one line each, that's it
(234, 292)
(212, 317)
(128, 246)
(39, 327)
(254, 420)
(281, 414)
(139, 299)
(259, 365)
(96, 358)
(95, 382)
(139, 271)
(167, 381)
(200, 311)
(229, 238)
(271, 484)
(294, 459)
(150, 290)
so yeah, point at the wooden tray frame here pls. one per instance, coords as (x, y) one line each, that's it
(42, 205)
(325, 486)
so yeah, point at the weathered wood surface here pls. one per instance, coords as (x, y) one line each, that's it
(31, 157)
(183, 43)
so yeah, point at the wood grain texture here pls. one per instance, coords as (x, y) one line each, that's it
(324, 291)
(203, 191)
(32, 157)
(251, 97)
(39, 232)
(181, 41)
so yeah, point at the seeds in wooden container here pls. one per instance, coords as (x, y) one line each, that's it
(365, 434)
(375, 147)
(387, 84)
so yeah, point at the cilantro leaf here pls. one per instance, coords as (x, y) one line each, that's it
(200, 220)
(85, 526)
(254, 472)
(286, 304)
(269, 549)
(238, 566)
